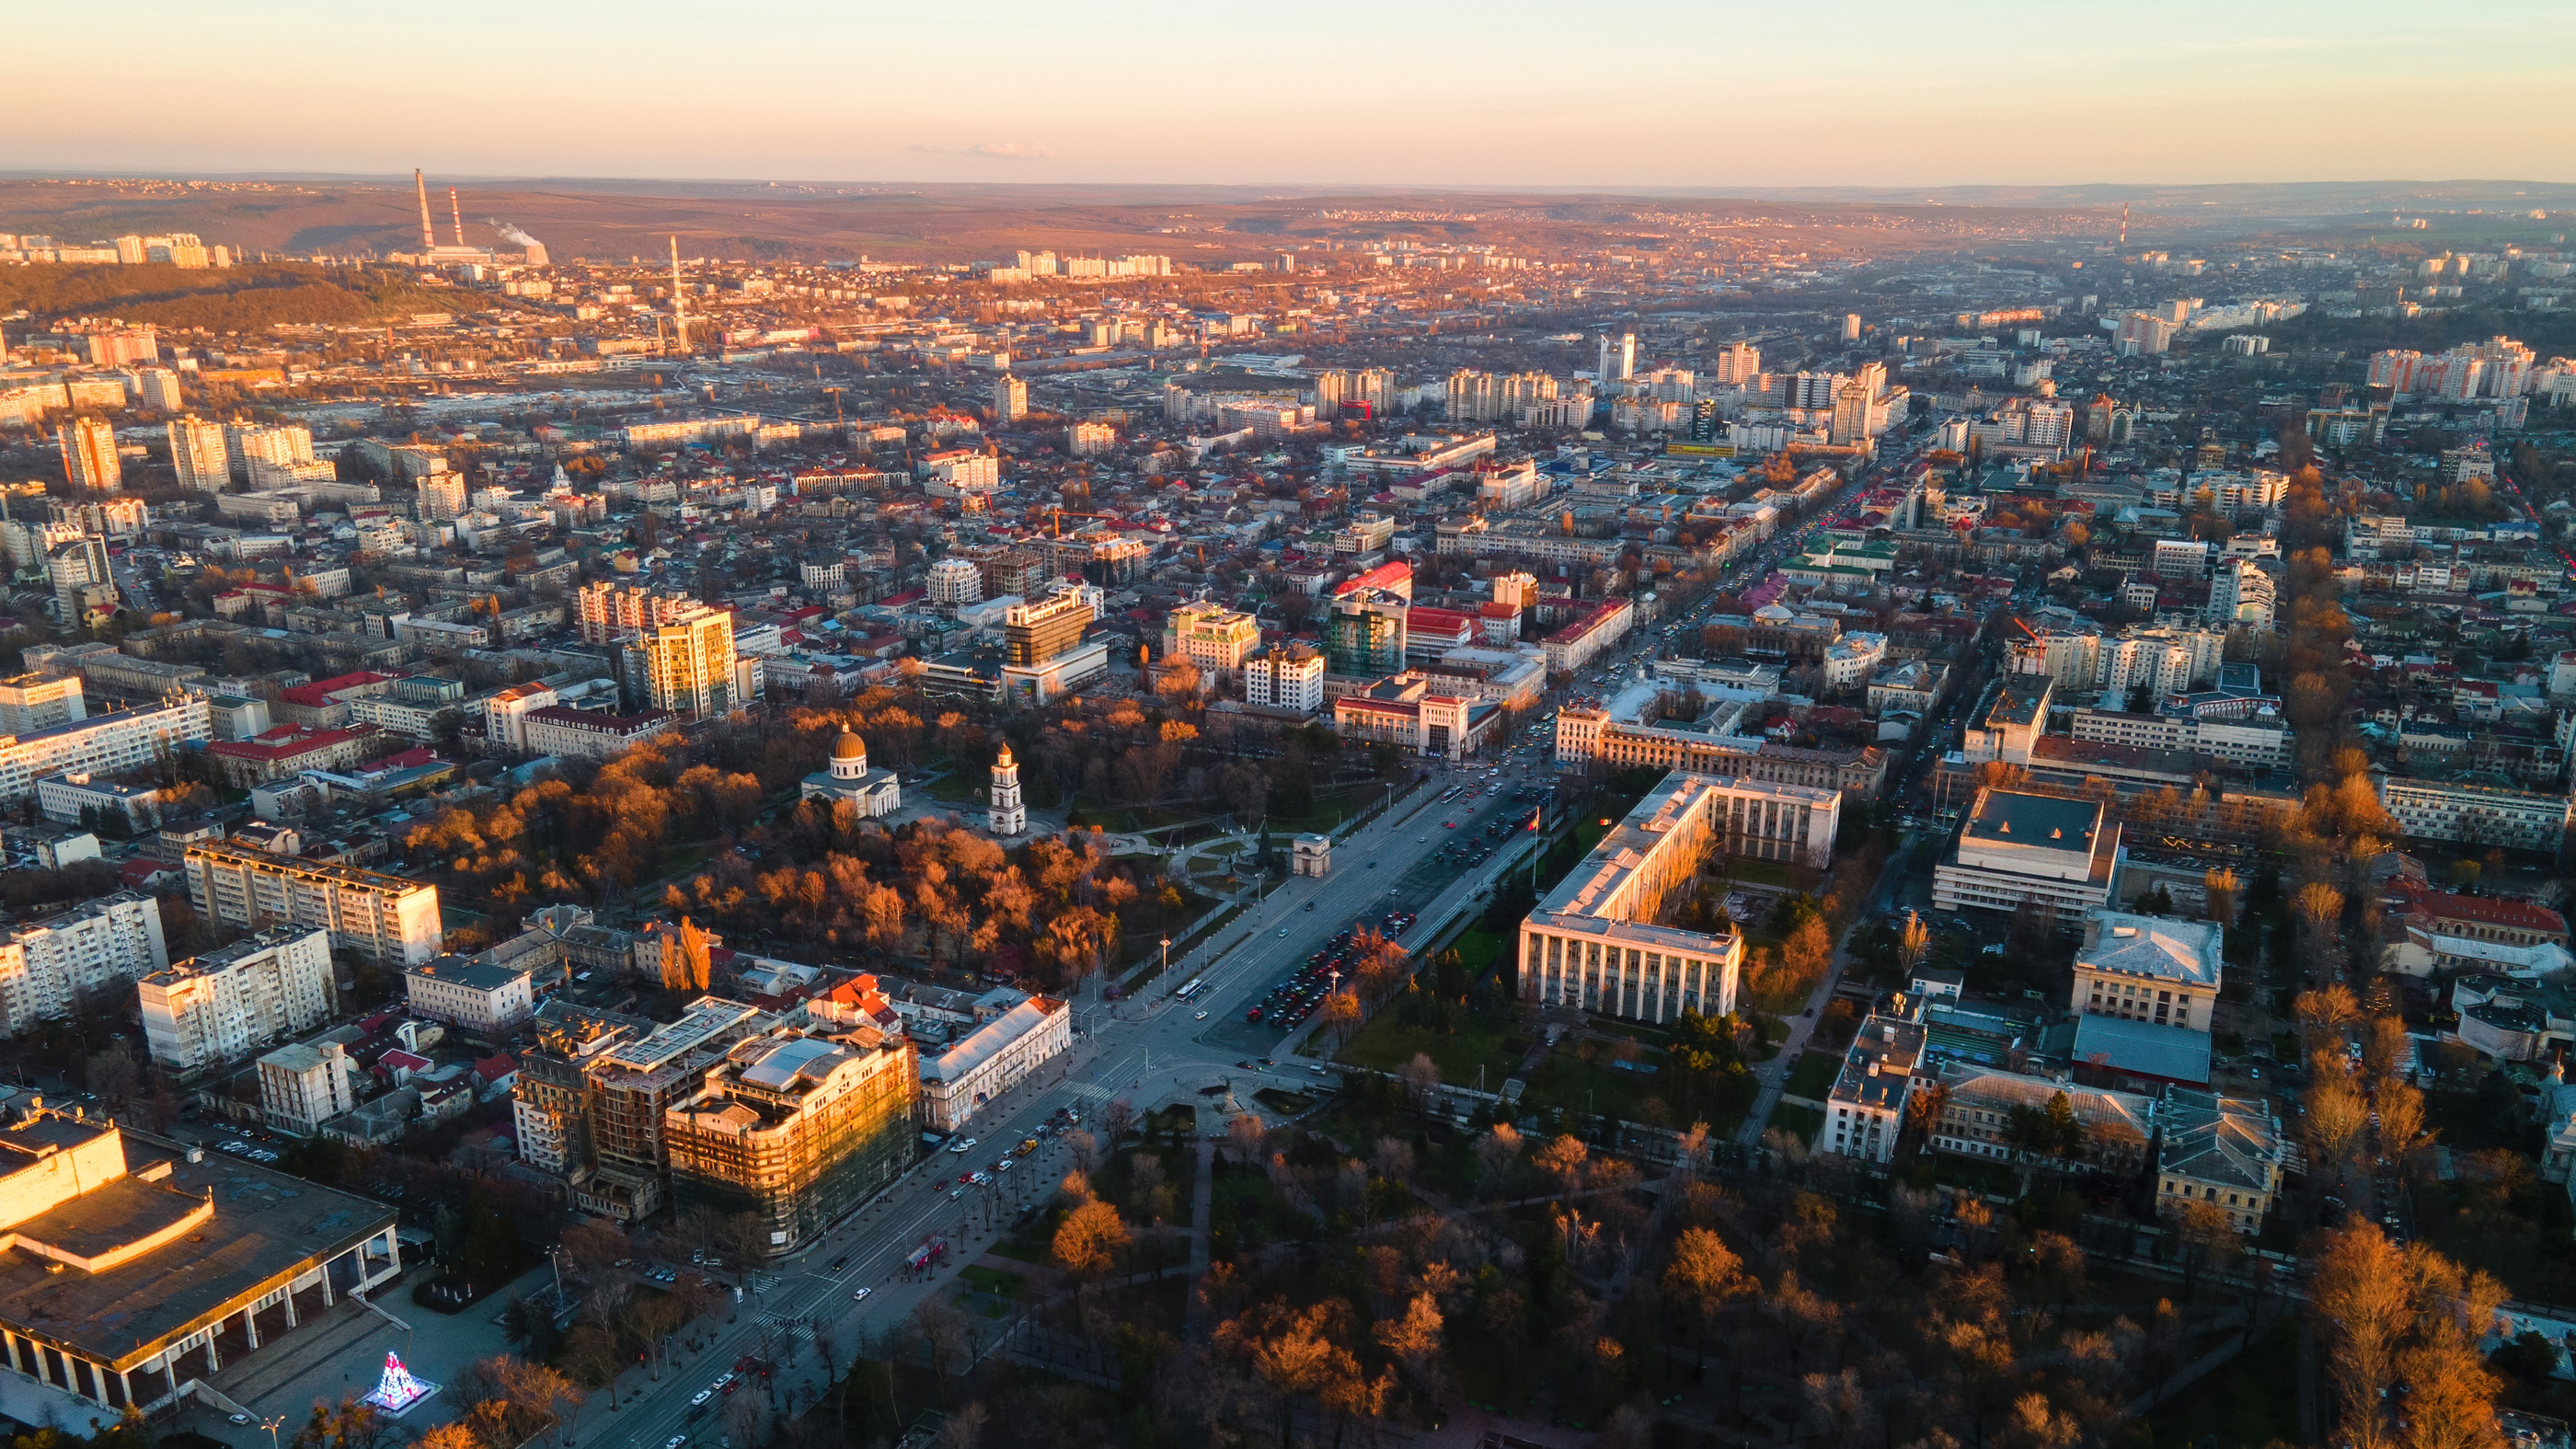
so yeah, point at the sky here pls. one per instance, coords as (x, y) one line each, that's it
(1646, 93)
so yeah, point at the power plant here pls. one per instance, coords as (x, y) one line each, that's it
(457, 253)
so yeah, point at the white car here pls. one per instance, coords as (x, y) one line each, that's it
(862, 1293)
(963, 1145)
(1202, 1016)
(701, 1396)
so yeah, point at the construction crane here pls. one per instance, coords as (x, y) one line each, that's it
(1062, 513)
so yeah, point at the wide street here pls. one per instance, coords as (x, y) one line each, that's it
(1150, 1049)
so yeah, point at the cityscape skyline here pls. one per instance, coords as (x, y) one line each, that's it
(1673, 96)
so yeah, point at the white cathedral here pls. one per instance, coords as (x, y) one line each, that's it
(874, 792)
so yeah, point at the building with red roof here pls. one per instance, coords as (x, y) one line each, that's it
(289, 750)
(1394, 576)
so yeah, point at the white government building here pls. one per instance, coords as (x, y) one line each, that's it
(1591, 942)
(992, 1060)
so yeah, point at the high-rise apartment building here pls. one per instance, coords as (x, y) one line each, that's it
(47, 966)
(156, 388)
(197, 454)
(1376, 387)
(1739, 363)
(684, 665)
(442, 497)
(604, 612)
(89, 454)
(122, 345)
(1474, 397)
(1851, 414)
(1010, 400)
(281, 444)
(84, 590)
(1090, 440)
(226, 1004)
(796, 1129)
(384, 918)
(955, 583)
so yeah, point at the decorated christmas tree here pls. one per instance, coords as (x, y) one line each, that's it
(397, 1390)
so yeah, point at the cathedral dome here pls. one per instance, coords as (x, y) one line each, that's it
(850, 747)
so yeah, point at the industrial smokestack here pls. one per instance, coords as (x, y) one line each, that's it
(428, 239)
(679, 304)
(456, 216)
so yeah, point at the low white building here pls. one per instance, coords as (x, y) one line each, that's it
(1883, 1068)
(993, 1059)
(303, 1086)
(1852, 659)
(477, 996)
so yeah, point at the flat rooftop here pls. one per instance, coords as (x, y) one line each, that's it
(2035, 822)
(267, 1228)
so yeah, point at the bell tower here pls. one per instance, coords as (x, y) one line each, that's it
(1007, 816)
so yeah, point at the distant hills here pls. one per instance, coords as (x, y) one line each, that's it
(808, 221)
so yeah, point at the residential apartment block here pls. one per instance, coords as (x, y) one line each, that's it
(227, 1003)
(47, 965)
(385, 918)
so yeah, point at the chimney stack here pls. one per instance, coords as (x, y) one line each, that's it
(428, 238)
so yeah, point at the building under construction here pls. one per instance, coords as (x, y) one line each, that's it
(796, 1129)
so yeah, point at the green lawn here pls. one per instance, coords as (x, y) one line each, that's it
(1813, 1076)
(1478, 949)
(1569, 1083)
(1760, 872)
(2250, 1400)
(995, 1281)
(1804, 1121)
(1388, 1045)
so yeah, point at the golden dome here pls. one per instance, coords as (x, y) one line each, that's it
(851, 747)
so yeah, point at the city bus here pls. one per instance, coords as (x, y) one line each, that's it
(1190, 988)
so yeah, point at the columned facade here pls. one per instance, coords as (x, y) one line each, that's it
(1654, 979)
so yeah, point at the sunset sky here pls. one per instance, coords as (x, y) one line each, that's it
(1843, 92)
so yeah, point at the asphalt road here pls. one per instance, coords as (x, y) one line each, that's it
(1149, 1050)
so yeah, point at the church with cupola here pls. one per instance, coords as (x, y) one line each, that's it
(849, 780)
